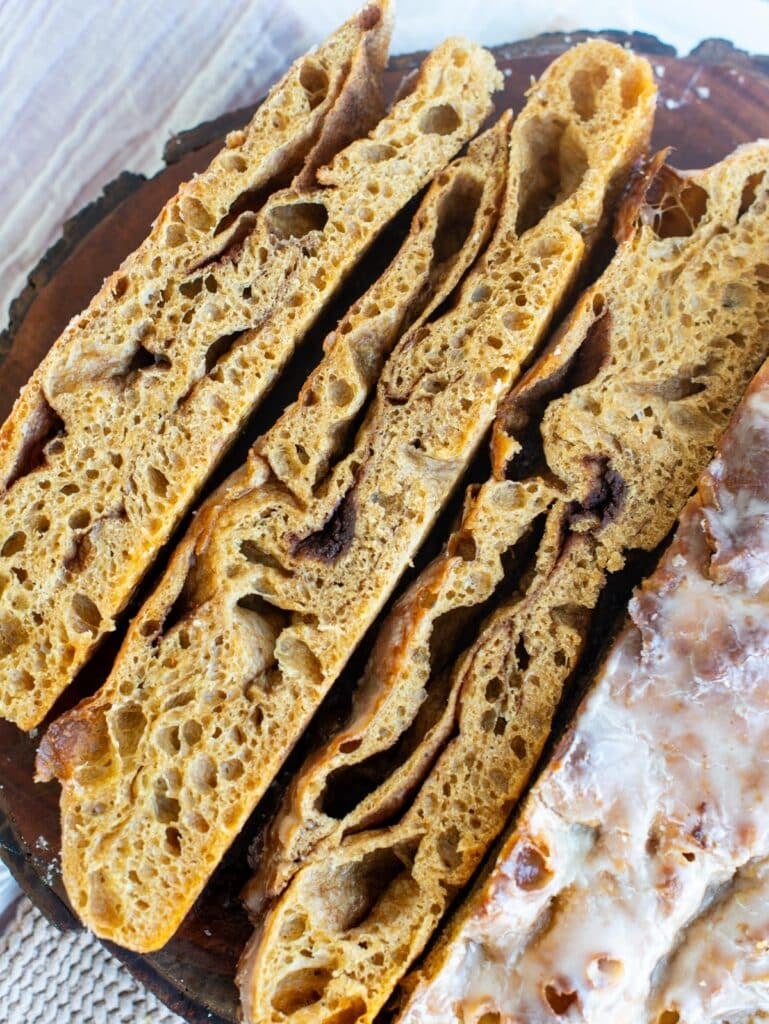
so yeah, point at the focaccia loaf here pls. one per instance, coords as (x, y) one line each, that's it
(655, 800)
(137, 401)
(162, 767)
(594, 455)
(333, 947)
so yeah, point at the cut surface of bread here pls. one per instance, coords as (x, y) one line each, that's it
(344, 922)
(123, 421)
(595, 453)
(635, 848)
(271, 590)
(164, 764)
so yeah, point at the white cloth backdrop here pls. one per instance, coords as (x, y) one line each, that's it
(89, 88)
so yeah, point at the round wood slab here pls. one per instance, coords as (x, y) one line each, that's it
(710, 102)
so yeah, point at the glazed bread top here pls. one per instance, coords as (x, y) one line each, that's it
(121, 424)
(653, 801)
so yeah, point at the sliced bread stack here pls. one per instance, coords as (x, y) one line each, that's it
(119, 427)
(594, 455)
(290, 561)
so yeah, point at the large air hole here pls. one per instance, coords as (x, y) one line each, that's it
(219, 350)
(584, 87)
(254, 553)
(674, 205)
(749, 193)
(142, 360)
(295, 220)
(295, 656)
(235, 228)
(128, 725)
(349, 1014)
(454, 630)
(440, 120)
(314, 80)
(555, 164)
(455, 217)
(243, 209)
(43, 425)
(86, 617)
(635, 84)
(300, 989)
(348, 786)
(523, 414)
(377, 152)
(352, 892)
(673, 389)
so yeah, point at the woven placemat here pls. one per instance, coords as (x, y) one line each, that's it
(47, 975)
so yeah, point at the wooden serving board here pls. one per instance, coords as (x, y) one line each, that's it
(710, 102)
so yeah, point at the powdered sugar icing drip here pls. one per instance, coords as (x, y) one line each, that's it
(645, 823)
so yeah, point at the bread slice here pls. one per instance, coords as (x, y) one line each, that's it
(121, 424)
(600, 445)
(162, 767)
(655, 799)
(268, 595)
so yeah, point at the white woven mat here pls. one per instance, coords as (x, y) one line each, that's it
(47, 976)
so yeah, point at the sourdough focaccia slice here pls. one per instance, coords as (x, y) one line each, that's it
(164, 764)
(595, 454)
(122, 422)
(654, 802)
(268, 595)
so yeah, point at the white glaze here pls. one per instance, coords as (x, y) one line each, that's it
(721, 969)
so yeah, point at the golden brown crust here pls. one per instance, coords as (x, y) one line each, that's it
(626, 407)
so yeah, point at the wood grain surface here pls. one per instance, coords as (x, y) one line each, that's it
(710, 102)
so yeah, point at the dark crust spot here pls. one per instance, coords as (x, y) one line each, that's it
(606, 496)
(76, 738)
(593, 354)
(369, 17)
(42, 427)
(698, 833)
(335, 536)
(644, 173)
